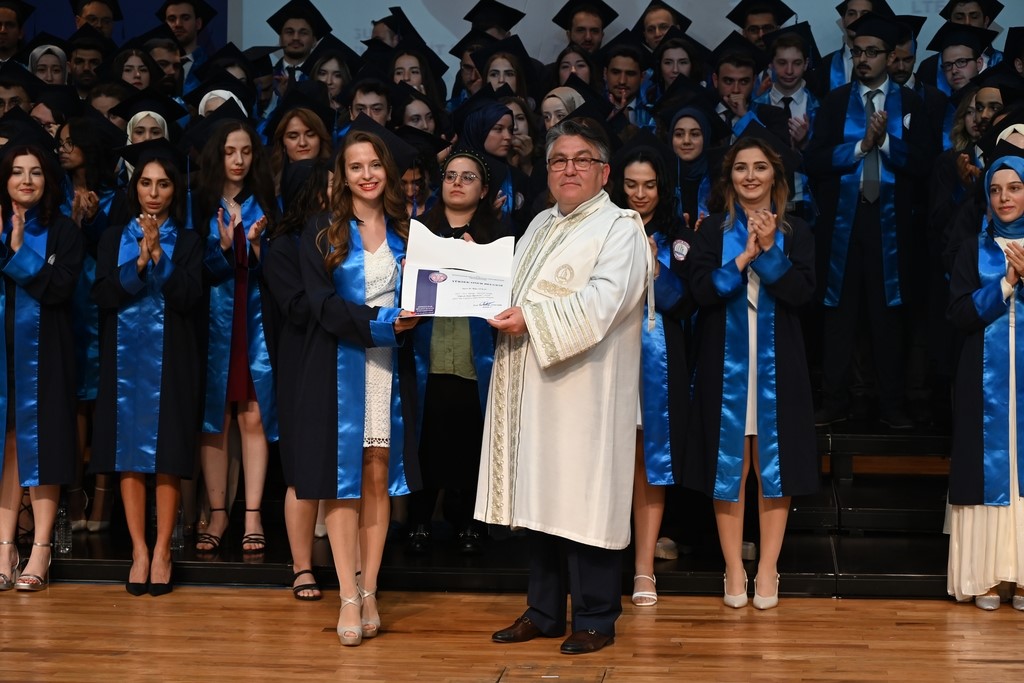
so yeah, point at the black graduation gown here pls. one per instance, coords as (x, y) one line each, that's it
(798, 456)
(179, 375)
(52, 287)
(826, 178)
(967, 455)
(333, 318)
(288, 318)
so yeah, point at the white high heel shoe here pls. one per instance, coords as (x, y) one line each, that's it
(734, 601)
(355, 629)
(766, 601)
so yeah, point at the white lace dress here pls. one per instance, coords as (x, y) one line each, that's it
(381, 280)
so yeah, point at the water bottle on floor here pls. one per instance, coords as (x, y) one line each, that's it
(178, 535)
(62, 529)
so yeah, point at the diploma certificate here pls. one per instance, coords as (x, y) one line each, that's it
(454, 278)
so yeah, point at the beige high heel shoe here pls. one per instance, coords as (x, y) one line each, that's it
(371, 627)
(766, 601)
(7, 580)
(356, 629)
(735, 601)
(35, 582)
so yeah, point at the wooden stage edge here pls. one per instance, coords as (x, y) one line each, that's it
(85, 632)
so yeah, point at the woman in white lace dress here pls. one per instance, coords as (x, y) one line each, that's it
(359, 377)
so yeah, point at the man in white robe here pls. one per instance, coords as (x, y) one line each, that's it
(560, 428)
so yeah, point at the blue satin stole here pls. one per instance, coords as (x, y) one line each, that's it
(222, 304)
(844, 156)
(654, 403)
(140, 349)
(350, 284)
(837, 71)
(994, 310)
(85, 316)
(731, 286)
(23, 267)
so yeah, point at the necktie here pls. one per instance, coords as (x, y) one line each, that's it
(457, 233)
(787, 105)
(291, 73)
(870, 177)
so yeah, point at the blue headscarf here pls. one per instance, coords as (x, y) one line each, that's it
(1015, 229)
(477, 126)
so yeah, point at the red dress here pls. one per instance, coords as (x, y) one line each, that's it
(240, 386)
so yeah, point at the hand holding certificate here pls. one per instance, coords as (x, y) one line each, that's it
(455, 278)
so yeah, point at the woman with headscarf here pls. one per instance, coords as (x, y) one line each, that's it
(557, 104)
(691, 138)
(986, 543)
(488, 131)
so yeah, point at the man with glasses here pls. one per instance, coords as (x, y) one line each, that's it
(299, 26)
(868, 144)
(560, 427)
(100, 14)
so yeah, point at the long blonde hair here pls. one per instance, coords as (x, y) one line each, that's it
(723, 198)
(333, 240)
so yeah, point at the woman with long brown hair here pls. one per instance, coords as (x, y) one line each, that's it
(751, 271)
(358, 444)
(301, 135)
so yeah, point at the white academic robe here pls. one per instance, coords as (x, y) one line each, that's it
(560, 427)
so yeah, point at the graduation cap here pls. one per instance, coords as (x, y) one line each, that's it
(877, 26)
(229, 54)
(802, 29)
(13, 74)
(23, 10)
(625, 43)
(198, 135)
(484, 96)
(877, 6)
(114, 5)
(736, 44)
(950, 34)
(300, 9)
(258, 57)
(1005, 79)
(399, 23)
(312, 95)
(59, 98)
(203, 10)
(159, 32)
(697, 51)
(492, 14)
(472, 41)
(20, 129)
(646, 140)
(332, 46)
(912, 23)
(110, 135)
(594, 106)
(512, 45)
(438, 66)
(690, 95)
(141, 153)
(1014, 47)
(778, 9)
(403, 153)
(990, 140)
(41, 39)
(791, 159)
(678, 18)
(990, 8)
(598, 7)
(222, 80)
(88, 38)
(150, 100)
(429, 144)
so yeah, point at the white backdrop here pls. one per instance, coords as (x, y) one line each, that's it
(441, 25)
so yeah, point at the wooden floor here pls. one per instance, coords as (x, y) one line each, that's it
(84, 632)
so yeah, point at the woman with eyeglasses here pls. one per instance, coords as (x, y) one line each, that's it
(40, 259)
(93, 201)
(460, 351)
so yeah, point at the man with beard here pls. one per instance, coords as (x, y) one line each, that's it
(299, 26)
(624, 70)
(87, 49)
(167, 54)
(867, 143)
(901, 71)
(836, 68)
(756, 18)
(12, 19)
(584, 22)
(186, 20)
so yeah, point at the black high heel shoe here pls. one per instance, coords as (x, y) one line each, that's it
(158, 589)
(135, 588)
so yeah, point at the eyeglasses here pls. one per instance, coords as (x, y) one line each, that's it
(467, 177)
(958, 63)
(66, 145)
(579, 163)
(869, 52)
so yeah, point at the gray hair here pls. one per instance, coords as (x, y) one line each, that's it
(583, 127)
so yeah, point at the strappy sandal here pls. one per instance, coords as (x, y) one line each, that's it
(34, 582)
(259, 540)
(209, 539)
(645, 598)
(311, 586)
(371, 627)
(356, 630)
(7, 580)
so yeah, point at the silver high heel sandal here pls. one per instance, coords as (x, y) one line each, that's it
(371, 627)
(7, 581)
(766, 601)
(357, 629)
(735, 601)
(34, 582)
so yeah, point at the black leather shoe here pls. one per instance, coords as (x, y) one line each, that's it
(520, 631)
(582, 642)
(896, 419)
(824, 417)
(469, 542)
(418, 541)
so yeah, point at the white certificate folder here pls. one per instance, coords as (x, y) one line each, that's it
(455, 278)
